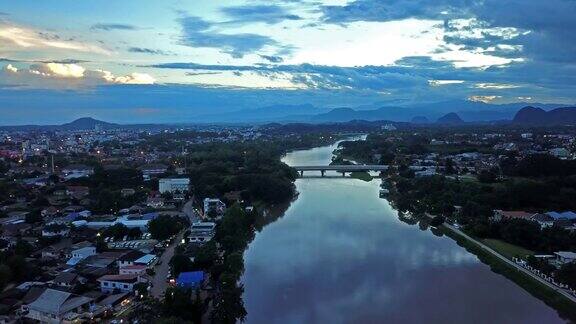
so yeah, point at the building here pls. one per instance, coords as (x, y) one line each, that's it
(173, 185)
(77, 171)
(502, 214)
(152, 170)
(564, 257)
(213, 205)
(137, 269)
(81, 254)
(68, 280)
(118, 283)
(192, 279)
(201, 232)
(130, 258)
(54, 306)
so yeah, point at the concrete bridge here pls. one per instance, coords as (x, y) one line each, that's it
(340, 168)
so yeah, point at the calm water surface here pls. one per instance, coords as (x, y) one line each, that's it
(341, 255)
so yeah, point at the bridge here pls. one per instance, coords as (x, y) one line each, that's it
(340, 168)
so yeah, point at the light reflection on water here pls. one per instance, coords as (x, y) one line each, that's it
(341, 255)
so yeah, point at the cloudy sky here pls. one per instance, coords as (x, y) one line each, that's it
(144, 60)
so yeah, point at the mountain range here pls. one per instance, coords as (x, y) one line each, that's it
(538, 116)
(308, 114)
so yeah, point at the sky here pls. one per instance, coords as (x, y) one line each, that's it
(175, 60)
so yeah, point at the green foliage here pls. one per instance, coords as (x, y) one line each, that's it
(180, 263)
(179, 303)
(164, 226)
(567, 274)
(117, 231)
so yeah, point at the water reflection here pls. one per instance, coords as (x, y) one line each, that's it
(342, 255)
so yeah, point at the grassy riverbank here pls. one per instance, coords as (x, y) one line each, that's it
(365, 176)
(564, 306)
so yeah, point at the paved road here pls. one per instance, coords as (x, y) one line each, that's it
(159, 283)
(511, 263)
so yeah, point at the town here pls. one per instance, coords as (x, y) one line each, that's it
(133, 224)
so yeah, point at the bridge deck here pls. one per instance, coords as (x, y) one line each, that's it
(341, 168)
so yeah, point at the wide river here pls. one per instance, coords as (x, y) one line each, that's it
(340, 254)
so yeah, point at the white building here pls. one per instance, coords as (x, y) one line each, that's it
(81, 254)
(173, 185)
(214, 204)
(121, 283)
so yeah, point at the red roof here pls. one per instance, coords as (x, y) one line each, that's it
(515, 214)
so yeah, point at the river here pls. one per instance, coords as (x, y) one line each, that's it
(340, 254)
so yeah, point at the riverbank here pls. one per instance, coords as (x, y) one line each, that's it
(565, 305)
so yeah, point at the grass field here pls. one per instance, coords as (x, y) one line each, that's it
(506, 249)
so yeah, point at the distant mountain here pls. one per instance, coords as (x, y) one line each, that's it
(468, 110)
(450, 119)
(537, 116)
(86, 123)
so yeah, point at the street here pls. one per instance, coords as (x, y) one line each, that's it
(159, 283)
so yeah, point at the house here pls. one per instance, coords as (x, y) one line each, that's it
(54, 306)
(192, 279)
(147, 260)
(127, 192)
(118, 283)
(152, 170)
(49, 212)
(155, 202)
(501, 214)
(173, 185)
(77, 171)
(68, 280)
(77, 192)
(201, 232)
(55, 229)
(81, 254)
(213, 205)
(137, 269)
(564, 257)
(129, 258)
(543, 219)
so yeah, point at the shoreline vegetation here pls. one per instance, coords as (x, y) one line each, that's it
(561, 304)
(404, 200)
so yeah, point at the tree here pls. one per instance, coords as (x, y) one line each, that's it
(5, 276)
(163, 227)
(180, 263)
(567, 274)
(178, 303)
(23, 248)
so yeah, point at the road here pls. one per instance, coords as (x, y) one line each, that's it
(511, 263)
(159, 283)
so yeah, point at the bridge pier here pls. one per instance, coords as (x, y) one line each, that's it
(301, 174)
(322, 172)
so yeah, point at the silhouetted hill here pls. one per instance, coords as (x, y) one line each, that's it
(450, 118)
(86, 123)
(538, 116)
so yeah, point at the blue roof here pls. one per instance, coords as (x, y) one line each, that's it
(566, 215)
(150, 216)
(190, 278)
